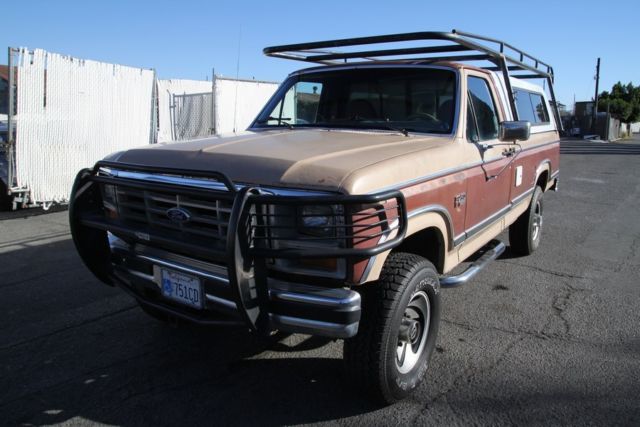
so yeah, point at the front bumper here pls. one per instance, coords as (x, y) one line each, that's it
(237, 287)
(293, 307)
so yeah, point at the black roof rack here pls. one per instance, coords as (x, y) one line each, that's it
(465, 47)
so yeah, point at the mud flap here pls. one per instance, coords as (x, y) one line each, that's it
(247, 275)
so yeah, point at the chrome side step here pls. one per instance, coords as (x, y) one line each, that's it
(492, 250)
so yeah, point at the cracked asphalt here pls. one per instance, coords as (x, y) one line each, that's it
(553, 338)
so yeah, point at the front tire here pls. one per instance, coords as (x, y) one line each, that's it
(398, 330)
(525, 233)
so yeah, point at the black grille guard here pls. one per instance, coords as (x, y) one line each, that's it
(248, 244)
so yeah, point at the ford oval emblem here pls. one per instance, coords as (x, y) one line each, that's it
(178, 215)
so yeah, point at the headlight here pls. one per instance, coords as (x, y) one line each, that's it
(319, 221)
(307, 227)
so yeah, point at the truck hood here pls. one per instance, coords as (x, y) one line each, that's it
(332, 160)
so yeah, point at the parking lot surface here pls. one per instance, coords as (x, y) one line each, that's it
(553, 338)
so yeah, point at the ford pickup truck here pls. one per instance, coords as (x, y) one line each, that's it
(344, 208)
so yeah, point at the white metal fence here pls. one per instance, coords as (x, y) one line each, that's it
(238, 102)
(192, 109)
(193, 116)
(73, 112)
(167, 90)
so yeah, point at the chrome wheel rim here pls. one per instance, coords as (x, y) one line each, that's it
(536, 221)
(413, 332)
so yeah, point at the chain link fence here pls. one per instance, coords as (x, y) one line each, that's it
(193, 116)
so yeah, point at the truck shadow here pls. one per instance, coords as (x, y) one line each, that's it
(194, 383)
(99, 358)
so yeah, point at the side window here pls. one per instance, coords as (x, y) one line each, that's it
(523, 104)
(531, 107)
(540, 108)
(484, 108)
(472, 129)
(299, 105)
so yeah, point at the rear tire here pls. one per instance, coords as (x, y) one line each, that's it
(525, 233)
(397, 334)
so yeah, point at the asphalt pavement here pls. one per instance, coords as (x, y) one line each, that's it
(553, 338)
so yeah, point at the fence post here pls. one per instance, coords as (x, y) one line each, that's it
(153, 135)
(213, 102)
(9, 153)
(172, 114)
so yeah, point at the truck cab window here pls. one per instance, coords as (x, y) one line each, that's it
(484, 109)
(298, 106)
(531, 107)
(472, 128)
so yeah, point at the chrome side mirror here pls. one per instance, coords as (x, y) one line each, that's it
(514, 131)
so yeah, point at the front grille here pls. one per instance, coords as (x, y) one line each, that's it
(176, 215)
(147, 210)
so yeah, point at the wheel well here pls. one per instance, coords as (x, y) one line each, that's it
(428, 243)
(543, 179)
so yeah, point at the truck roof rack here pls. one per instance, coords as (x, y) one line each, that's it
(454, 46)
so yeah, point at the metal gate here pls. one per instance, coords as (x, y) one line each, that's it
(192, 116)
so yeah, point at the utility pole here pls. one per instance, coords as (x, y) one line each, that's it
(608, 130)
(595, 99)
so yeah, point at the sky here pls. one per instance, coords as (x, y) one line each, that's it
(186, 39)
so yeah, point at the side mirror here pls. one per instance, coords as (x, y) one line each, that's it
(514, 131)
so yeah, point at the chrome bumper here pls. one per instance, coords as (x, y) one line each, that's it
(292, 307)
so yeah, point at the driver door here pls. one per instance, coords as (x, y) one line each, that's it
(489, 184)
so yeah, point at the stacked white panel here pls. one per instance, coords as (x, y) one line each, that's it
(72, 113)
(238, 102)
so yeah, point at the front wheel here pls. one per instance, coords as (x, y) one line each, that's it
(525, 233)
(398, 330)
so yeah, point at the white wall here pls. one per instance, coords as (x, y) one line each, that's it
(238, 102)
(83, 111)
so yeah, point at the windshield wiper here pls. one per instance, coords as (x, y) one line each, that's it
(378, 124)
(387, 124)
(403, 131)
(280, 120)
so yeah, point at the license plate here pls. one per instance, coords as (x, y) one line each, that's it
(181, 287)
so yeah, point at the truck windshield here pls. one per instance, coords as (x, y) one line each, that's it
(389, 98)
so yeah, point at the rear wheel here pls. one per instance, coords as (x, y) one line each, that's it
(398, 330)
(525, 233)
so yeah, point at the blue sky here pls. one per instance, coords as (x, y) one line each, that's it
(185, 39)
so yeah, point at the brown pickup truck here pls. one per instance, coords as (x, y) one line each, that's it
(344, 207)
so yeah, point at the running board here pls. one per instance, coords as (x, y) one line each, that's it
(492, 250)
